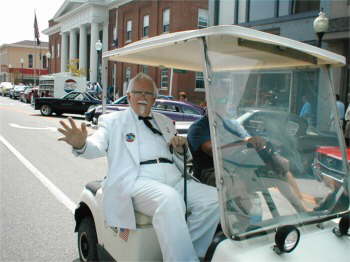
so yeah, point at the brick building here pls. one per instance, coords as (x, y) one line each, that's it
(78, 25)
(136, 20)
(23, 62)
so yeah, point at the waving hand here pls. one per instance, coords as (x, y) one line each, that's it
(73, 135)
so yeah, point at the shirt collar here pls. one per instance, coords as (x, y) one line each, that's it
(136, 116)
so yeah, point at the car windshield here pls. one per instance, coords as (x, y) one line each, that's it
(273, 131)
(71, 95)
(19, 88)
(122, 100)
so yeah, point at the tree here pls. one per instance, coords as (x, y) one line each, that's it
(73, 68)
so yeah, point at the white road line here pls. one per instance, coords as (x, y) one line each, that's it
(60, 196)
(52, 129)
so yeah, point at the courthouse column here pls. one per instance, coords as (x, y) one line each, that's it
(93, 52)
(83, 48)
(64, 51)
(72, 44)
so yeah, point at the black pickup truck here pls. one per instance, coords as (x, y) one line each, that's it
(73, 103)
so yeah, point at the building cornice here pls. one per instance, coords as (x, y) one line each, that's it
(64, 5)
(23, 46)
(52, 30)
(118, 4)
(78, 10)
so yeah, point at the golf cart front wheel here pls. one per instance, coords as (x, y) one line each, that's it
(87, 240)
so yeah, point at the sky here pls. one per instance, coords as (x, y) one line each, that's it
(17, 19)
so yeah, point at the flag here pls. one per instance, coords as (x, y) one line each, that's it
(36, 30)
(124, 234)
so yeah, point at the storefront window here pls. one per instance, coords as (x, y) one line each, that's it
(261, 10)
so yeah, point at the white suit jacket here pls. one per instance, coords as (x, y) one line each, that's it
(117, 137)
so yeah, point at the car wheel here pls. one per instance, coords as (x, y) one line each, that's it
(45, 110)
(87, 240)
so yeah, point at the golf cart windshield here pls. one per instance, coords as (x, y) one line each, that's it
(271, 129)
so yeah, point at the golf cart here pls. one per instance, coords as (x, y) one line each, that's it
(277, 202)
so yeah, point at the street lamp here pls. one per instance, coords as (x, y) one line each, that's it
(321, 25)
(10, 67)
(22, 62)
(98, 47)
(48, 55)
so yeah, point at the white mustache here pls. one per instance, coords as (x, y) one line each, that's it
(143, 102)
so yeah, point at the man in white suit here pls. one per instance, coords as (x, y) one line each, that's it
(142, 174)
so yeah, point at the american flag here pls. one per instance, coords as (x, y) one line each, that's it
(36, 30)
(124, 234)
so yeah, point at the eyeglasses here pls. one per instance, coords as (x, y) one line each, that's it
(143, 93)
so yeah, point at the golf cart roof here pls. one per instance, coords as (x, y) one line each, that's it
(181, 50)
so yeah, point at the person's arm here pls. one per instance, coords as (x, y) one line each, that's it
(207, 148)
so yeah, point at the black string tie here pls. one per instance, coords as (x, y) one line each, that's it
(149, 124)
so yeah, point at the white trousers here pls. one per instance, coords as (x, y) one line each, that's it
(158, 192)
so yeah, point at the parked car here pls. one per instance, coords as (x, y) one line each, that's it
(5, 88)
(24, 95)
(16, 91)
(175, 110)
(73, 103)
(121, 101)
(328, 162)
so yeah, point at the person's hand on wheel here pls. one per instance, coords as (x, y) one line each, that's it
(73, 135)
(256, 141)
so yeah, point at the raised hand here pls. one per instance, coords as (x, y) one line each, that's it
(74, 136)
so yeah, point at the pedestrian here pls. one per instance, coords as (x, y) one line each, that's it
(143, 176)
(341, 110)
(183, 97)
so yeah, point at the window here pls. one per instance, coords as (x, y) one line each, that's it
(199, 80)
(166, 107)
(145, 31)
(71, 95)
(242, 10)
(58, 50)
(301, 6)
(166, 20)
(261, 10)
(189, 110)
(44, 61)
(30, 61)
(164, 79)
(79, 97)
(145, 69)
(202, 18)
(53, 51)
(284, 8)
(128, 31)
(251, 10)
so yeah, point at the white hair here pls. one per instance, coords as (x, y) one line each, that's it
(138, 77)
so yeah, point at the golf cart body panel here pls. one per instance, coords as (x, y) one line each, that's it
(254, 83)
(139, 245)
(316, 245)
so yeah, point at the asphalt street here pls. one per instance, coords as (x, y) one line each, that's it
(40, 184)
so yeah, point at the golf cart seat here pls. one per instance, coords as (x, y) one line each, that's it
(141, 219)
